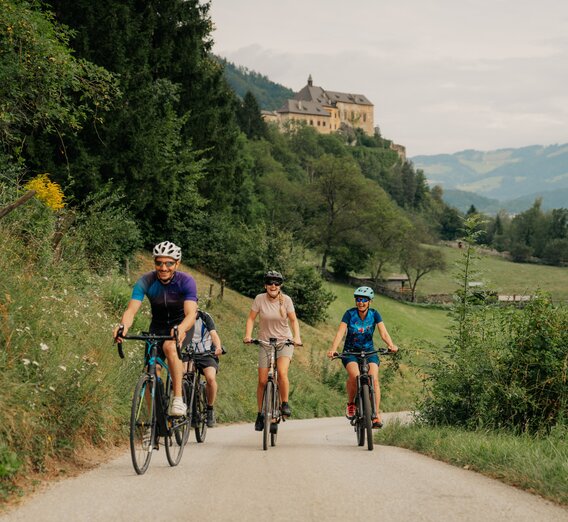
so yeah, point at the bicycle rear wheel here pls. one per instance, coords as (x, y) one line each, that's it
(267, 412)
(200, 413)
(142, 424)
(178, 433)
(367, 421)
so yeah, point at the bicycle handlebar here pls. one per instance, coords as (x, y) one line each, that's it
(278, 345)
(146, 337)
(360, 355)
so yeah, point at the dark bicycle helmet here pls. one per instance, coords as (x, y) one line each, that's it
(364, 291)
(167, 249)
(272, 275)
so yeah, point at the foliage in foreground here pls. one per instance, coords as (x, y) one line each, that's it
(504, 368)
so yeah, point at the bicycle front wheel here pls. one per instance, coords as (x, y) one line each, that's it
(267, 412)
(274, 425)
(200, 413)
(142, 424)
(367, 421)
(178, 433)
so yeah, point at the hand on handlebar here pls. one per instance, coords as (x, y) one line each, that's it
(331, 354)
(247, 340)
(118, 333)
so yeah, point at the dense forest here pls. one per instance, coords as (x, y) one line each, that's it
(123, 106)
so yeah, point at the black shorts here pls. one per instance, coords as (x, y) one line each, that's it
(204, 361)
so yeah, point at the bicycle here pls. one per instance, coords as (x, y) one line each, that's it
(149, 419)
(195, 390)
(364, 397)
(271, 397)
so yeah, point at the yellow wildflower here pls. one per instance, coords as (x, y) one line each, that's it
(47, 191)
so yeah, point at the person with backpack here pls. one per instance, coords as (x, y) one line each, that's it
(204, 339)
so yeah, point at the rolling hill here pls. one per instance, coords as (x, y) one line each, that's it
(506, 178)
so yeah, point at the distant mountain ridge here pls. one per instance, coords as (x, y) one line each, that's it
(513, 177)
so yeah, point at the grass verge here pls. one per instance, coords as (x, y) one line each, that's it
(535, 464)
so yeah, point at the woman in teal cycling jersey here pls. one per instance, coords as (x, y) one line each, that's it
(359, 325)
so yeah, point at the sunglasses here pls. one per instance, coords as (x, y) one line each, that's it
(361, 299)
(169, 264)
(275, 283)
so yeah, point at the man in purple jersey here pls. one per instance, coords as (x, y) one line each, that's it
(173, 299)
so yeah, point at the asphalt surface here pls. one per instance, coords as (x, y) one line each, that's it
(316, 472)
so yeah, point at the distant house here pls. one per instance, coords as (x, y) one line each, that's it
(325, 110)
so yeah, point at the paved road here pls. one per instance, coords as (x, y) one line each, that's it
(316, 472)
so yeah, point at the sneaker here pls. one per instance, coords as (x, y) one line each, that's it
(377, 423)
(259, 423)
(178, 407)
(285, 409)
(210, 417)
(351, 410)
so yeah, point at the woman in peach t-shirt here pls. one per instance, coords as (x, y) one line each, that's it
(277, 314)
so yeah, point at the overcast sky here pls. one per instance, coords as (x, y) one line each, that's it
(444, 75)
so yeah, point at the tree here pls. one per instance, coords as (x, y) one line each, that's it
(43, 87)
(416, 261)
(340, 199)
(250, 119)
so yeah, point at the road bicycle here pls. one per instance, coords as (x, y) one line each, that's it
(195, 390)
(271, 397)
(149, 418)
(365, 396)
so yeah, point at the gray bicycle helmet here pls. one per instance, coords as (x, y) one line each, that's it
(272, 275)
(167, 249)
(364, 291)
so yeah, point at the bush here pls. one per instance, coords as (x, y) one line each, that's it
(503, 368)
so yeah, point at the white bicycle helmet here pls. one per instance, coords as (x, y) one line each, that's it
(364, 291)
(167, 249)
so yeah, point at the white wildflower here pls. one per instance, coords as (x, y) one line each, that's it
(64, 368)
(26, 362)
(35, 363)
(52, 388)
(44, 347)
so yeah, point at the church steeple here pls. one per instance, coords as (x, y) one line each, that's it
(310, 82)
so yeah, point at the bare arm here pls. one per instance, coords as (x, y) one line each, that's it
(249, 326)
(295, 327)
(128, 317)
(386, 337)
(190, 311)
(216, 342)
(341, 331)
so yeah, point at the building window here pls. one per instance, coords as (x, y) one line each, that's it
(323, 123)
(319, 123)
(311, 122)
(364, 117)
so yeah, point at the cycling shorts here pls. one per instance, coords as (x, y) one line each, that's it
(264, 354)
(351, 358)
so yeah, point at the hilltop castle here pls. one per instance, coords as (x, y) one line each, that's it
(325, 110)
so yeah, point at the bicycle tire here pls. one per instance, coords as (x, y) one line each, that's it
(142, 424)
(200, 412)
(367, 421)
(274, 425)
(178, 433)
(267, 412)
(359, 426)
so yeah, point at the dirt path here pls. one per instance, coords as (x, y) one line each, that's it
(316, 472)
